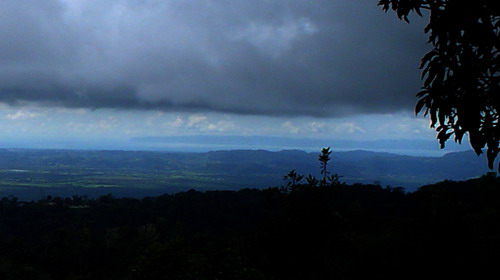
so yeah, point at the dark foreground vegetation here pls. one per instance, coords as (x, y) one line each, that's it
(332, 232)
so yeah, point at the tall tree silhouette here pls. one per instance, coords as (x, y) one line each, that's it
(461, 88)
(324, 157)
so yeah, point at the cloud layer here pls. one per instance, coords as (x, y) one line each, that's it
(294, 57)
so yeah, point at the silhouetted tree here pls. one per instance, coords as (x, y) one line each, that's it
(293, 179)
(323, 158)
(312, 181)
(461, 89)
(334, 180)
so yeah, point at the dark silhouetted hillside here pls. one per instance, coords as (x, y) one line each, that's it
(447, 230)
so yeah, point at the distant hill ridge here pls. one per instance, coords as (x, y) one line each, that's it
(163, 172)
(204, 143)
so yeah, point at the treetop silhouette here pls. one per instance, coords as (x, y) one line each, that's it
(461, 78)
(294, 179)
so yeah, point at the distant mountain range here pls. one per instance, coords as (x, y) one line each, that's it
(34, 173)
(363, 166)
(204, 143)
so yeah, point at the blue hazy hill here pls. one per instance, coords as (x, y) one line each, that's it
(33, 173)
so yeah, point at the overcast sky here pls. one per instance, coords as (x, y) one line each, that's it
(126, 68)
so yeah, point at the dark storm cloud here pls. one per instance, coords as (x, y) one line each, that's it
(278, 57)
